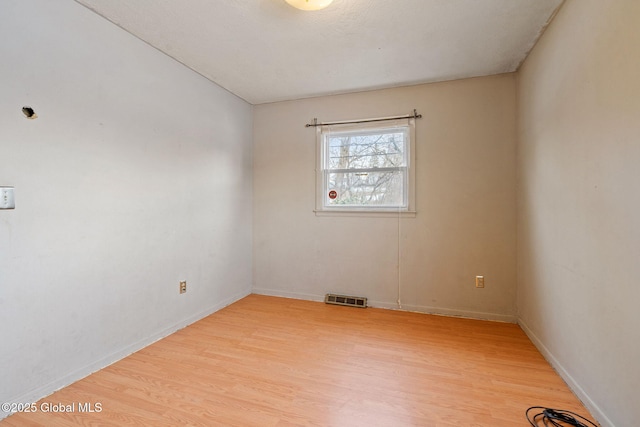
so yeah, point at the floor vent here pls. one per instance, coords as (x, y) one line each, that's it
(345, 300)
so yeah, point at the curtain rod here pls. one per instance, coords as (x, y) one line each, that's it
(315, 123)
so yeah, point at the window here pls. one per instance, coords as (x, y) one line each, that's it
(366, 168)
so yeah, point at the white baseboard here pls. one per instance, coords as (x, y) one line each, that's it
(571, 382)
(78, 374)
(393, 306)
(450, 312)
(286, 294)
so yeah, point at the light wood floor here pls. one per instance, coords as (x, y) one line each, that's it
(267, 361)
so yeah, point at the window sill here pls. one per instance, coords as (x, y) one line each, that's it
(367, 213)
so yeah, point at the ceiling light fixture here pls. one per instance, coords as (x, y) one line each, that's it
(309, 4)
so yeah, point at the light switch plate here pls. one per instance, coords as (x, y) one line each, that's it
(7, 199)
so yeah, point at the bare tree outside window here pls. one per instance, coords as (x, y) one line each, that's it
(367, 168)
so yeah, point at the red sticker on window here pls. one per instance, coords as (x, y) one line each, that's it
(333, 194)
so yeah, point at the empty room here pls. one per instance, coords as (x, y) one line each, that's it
(319, 213)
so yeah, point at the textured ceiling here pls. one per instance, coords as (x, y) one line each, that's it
(265, 50)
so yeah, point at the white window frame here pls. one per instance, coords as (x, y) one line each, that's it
(322, 208)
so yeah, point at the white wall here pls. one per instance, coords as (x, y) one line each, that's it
(137, 174)
(466, 203)
(579, 198)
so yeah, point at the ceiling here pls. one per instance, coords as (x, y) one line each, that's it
(266, 51)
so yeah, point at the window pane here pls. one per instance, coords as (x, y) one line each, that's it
(365, 189)
(364, 151)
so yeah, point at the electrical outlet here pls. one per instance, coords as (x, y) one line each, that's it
(7, 199)
(479, 281)
(183, 286)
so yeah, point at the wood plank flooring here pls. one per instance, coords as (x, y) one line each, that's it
(267, 361)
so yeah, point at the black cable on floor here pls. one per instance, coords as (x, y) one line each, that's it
(556, 418)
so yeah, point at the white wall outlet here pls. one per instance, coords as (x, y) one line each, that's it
(479, 281)
(183, 286)
(7, 198)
